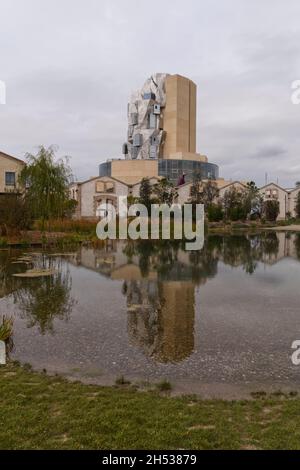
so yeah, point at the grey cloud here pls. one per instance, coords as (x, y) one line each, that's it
(271, 151)
(70, 67)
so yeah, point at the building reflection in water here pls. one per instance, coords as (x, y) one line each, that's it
(159, 282)
(160, 296)
(161, 318)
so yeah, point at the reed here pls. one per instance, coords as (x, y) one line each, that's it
(6, 328)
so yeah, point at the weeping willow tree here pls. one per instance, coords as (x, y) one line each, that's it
(46, 180)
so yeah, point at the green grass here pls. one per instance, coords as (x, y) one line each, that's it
(42, 412)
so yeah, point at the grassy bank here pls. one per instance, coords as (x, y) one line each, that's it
(48, 239)
(41, 412)
(66, 232)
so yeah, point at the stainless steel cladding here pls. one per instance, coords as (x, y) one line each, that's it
(137, 140)
(145, 122)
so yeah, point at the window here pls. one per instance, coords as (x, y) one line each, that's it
(156, 109)
(134, 119)
(10, 178)
(100, 187)
(151, 121)
(105, 187)
(110, 187)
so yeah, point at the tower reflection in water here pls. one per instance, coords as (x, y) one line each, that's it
(159, 281)
(161, 318)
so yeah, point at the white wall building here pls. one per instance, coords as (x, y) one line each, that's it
(97, 191)
(293, 195)
(101, 190)
(274, 192)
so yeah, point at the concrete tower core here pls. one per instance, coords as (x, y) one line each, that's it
(179, 116)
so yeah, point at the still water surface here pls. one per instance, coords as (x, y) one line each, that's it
(221, 319)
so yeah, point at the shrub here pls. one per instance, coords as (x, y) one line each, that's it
(14, 214)
(271, 210)
(215, 213)
(284, 223)
(237, 213)
(70, 208)
(80, 226)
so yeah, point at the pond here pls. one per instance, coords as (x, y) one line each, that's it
(220, 321)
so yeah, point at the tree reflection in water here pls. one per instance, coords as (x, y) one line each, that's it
(159, 282)
(7, 282)
(42, 300)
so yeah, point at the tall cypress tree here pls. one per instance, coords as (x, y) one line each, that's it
(145, 193)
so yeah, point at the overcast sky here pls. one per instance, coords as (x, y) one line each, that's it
(70, 66)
